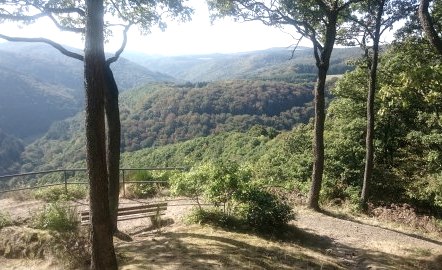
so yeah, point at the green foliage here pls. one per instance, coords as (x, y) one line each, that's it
(217, 182)
(230, 185)
(10, 150)
(226, 180)
(58, 193)
(5, 220)
(157, 115)
(214, 217)
(408, 128)
(263, 211)
(146, 190)
(193, 183)
(56, 216)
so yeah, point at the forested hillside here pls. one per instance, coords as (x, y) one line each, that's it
(10, 150)
(28, 105)
(160, 114)
(40, 86)
(245, 127)
(271, 64)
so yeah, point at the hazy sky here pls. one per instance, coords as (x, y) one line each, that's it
(195, 37)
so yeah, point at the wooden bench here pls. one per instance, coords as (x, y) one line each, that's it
(150, 210)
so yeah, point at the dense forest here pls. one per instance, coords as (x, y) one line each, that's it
(159, 114)
(10, 151)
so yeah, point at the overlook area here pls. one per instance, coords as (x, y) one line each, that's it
(323, 155)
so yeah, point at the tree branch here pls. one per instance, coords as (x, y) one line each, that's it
(65, 28)
(79, 11)
(54, 44)
(25, 18)
(121, 49)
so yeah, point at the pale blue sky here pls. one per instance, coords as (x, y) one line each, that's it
(195, 37)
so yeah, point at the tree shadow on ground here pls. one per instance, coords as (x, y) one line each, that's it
(202, 247)
(348, 218)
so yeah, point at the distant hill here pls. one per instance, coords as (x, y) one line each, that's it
(40, 86)
(276, 63)
(160, 114)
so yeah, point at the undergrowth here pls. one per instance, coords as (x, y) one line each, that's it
(58, 193)
(56, 216)
(5, 220)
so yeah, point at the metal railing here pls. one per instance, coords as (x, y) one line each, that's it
(65, 182)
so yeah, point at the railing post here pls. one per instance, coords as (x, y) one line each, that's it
(65, 182)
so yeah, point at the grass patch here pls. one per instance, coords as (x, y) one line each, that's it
(5, 220)
(204, 247)
(69, 250)
(56, 216)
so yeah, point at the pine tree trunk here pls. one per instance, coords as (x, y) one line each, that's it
(103, 254)
(113, 144)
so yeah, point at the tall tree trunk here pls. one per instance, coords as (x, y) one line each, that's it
(428, 26)
(369, 146)
(113, 144)
(318, 140)
(322, 63)
(103, 254)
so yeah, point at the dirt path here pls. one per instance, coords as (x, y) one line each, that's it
(364, 245)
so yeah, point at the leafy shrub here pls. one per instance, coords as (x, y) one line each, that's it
(217, 182)
(229, 185)
(264, 211)
(226, 179)
(214, 217)
(57, 216)
(145, 190)
(193, 183)
(58, 193)
(5, 220)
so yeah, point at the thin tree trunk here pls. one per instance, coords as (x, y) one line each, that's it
(322, 63)
(113, 144)
(318, 140)
(428, 26)
(369, 146)
(103, 254)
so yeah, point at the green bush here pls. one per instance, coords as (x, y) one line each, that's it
(57, 216)
(5, 220)
(58, 193)
(264, 211)
(146, 190)
(193, 183)
(213, 217)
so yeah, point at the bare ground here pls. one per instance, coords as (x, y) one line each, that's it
(313, 241)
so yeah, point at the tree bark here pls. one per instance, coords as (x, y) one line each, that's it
(103, 254)
(369, 145)
(113, 144)
(428, 26)
(322, 63)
